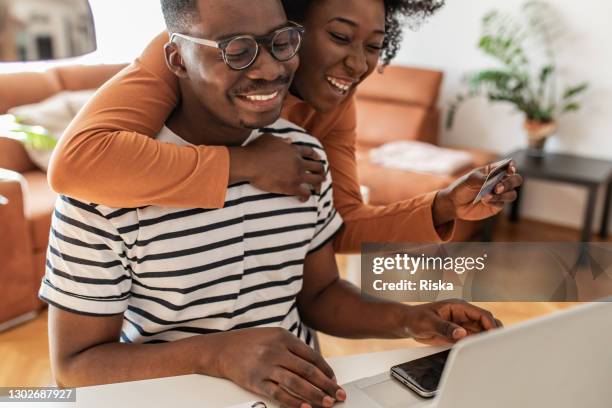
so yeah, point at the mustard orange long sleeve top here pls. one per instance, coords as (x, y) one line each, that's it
(108, 155)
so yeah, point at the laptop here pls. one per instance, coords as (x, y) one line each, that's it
(563, 360)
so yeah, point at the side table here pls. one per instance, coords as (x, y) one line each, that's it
(566, 168)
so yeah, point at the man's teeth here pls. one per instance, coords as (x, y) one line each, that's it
(343, 86)
(261, 97)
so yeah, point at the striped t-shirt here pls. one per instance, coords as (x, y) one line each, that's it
(175, 273)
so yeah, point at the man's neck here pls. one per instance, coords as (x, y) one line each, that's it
(197, 126)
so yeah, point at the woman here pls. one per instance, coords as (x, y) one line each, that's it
(112, 136)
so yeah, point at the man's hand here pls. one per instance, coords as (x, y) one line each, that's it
(455, 201)
(275, 165)
(274, 363)
(446, 322)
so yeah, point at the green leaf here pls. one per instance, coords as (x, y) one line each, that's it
(490, 16)
(570, 107)
(546, 72)
(452, 111)
(450, 118)
(575, 90)
(497, 79)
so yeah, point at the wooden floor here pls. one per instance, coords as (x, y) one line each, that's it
(24, 359)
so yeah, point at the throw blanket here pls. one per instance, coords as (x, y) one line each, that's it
(420, 157)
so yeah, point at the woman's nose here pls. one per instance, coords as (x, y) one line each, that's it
(356, 61)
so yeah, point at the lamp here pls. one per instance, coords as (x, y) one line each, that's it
(37, 30)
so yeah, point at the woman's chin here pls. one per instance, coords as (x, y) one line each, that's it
(322, 99)
(327, 101)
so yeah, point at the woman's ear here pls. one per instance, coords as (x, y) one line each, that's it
(174, 60)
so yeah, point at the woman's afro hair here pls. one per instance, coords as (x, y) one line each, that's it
(399, 13)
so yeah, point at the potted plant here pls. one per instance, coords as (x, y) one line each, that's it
(527, 73)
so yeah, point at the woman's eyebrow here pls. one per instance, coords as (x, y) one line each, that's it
(352, 24)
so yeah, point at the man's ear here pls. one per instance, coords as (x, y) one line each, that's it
(174, 60)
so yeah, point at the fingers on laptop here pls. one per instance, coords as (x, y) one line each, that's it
(299, 377)
(298, 386)
(451, 331)
(481, 316)
(312, 365)
(275, 391)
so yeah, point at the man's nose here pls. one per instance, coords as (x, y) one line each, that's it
(266, 67)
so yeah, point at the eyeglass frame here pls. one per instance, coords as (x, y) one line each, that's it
(264, 40)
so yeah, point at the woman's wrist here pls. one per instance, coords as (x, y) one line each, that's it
(241, 167)
(443, 209)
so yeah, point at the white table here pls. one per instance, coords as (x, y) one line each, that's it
(199, 391)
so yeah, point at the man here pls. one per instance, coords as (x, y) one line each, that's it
(152, 292)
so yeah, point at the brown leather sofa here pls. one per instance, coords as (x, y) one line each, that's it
(26, 219)
(399, 104)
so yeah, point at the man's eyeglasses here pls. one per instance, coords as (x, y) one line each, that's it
(241, 51)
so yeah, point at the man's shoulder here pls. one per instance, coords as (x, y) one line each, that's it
(286, 129)
(69, 208)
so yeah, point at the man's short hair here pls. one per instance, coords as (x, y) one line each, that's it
(296, 9)
(180, 14)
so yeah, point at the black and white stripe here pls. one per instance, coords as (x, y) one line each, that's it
(174, 273)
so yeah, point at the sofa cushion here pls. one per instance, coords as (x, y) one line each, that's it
(13, 156)
(39, 201)
(406, 85)
(26, 87)
(77, 77)
(419, 157)
(17, 283)
(375, 120)
(389, 186)
(54, 113)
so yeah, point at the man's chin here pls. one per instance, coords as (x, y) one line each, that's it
(260, 121)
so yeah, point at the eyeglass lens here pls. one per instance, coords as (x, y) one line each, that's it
(242, 51)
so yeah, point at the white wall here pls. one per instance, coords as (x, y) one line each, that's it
(448, 42)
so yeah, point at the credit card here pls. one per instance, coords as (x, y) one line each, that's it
(493, 178)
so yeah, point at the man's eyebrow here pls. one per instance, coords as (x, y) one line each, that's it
(230, 35)
(352, 24)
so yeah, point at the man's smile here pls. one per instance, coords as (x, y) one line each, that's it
(262, 100)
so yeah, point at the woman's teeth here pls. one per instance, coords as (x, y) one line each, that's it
(261, 97)
(341, 86)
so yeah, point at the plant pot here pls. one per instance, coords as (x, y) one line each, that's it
(537, 134)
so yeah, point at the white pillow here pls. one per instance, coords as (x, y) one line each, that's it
(419, 157)
(54, 114)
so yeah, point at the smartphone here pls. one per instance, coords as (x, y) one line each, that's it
(423, 374)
